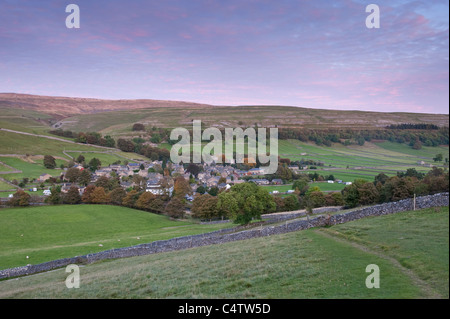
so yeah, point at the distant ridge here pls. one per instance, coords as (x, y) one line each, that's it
(81, 114)
(67, 106)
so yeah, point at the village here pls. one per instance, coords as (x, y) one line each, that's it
(148, 176)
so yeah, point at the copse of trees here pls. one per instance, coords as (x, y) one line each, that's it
(153, 153)
(417, 135)
(87, 137)
(410, 126)
(390, 189)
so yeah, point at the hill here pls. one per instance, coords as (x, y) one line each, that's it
(114, 116)
(64, 106)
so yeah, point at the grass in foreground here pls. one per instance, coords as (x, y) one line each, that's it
(305, 264)
(52, 232)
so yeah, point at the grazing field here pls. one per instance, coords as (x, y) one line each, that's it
(105, 158)
(52, 232)
(4, 187)
(30, 167)
(13, 143)
(350, 162)
(410, 249)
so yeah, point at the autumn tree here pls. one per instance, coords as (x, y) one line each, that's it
(72, 196)
(87, 194)
(205, 207)
(20, 198)
(175, 207)
(368, 194)
(130, 199)
(98, 196)
(117, 195)
(181, 187)
(145, 200)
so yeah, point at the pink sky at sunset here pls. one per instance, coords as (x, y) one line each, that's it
(316, 54)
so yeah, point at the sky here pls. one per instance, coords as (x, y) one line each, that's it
(315, 54)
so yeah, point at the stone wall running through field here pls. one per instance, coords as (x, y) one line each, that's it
(230, 235)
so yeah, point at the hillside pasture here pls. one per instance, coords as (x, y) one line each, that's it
(51, 232)
(315, 263)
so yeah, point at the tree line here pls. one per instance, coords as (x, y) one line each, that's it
(426, 137)
(245, 202)
(93, 138)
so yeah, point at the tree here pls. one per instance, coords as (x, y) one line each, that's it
(382, 178)
(438, 158)
(20, 198)
(214, 191)
(175, 208)
(291, 202)
(72, 175)
(205, 207)
(49, 162)
(368, 194)
(55, 196)
(87, 194)
(350, 195)
(283, 173)
(98, 196)
(337, 198)
(193, 169)
(125, 145)
(104, 182)
(181, 187)
(417, 145)
(201, 189)
(145, 200)
(316, 198)
(246, 201)
(80, 159)
(138, 127)
(85, 177)
(72, 196)
(94, 164)
(301, 185)
(117, 195)
(130, 199)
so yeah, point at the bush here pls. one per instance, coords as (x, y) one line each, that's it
(20, 198)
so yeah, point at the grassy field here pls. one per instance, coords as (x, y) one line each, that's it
(4, 186)
(367, 161)
(410, 249)
(53, 232)
(13, 143)
(105, 158)
(31, 169)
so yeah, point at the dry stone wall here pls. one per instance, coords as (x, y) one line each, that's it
(230, 235)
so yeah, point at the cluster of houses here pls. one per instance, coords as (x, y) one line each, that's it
(210, 176)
